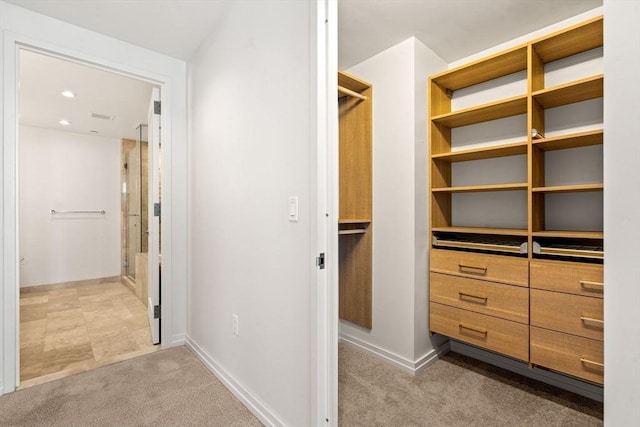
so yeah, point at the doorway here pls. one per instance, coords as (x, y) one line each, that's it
(77, 310)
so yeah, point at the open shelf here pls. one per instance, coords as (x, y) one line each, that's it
(580, 90)
(482, 230)
(484, 113)
(569, 188)
(568, 234)
(489, 152)
(499, 65)
(481, 188)
(354, 221)
(571, 41)
(575, 140)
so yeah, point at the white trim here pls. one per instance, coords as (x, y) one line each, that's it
(257, 408)
(409, 366)
(324, 408)
(573, 385)
(431, 356)
(45, 34)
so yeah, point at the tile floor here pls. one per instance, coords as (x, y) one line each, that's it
(72, 329)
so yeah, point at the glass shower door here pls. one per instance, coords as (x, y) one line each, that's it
(135, 188)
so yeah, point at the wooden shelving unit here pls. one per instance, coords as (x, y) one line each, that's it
(355, 227)
(571, 253)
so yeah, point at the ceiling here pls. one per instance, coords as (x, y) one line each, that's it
(125, 100)
(453, 29)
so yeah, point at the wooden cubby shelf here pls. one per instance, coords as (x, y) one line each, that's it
(580, 90)
(511, 264)
(481, 188)
(577, 39)
(568, 234)
(569, 188)
(576, 140)
(354, 221)
(483, 113)
(482, 153)
(482, 230)
(493, 67)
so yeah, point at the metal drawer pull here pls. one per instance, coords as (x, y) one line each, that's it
(473, 328)
(591, 319)
(591, 362)
(477, 270)
(589, 284)
(465, 295)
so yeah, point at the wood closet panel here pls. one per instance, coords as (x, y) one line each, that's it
(355, 226)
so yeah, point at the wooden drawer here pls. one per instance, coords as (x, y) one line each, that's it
(495, 268)
(573, 314)
(502, 336)
(495, 299)
(571, 277)
(580, 357)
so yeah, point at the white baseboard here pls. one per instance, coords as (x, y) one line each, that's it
(257, 408)
(573, 385)
(405, 364)
(176, 341)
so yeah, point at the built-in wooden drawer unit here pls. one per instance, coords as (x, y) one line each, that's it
(577, 356)
(499, 335)
(494, 268)
(573, 314)
(505, 301)
(571, 277)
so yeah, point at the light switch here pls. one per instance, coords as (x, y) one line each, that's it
(293, 209)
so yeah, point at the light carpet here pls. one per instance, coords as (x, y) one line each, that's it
(453, 391)
(167, 388)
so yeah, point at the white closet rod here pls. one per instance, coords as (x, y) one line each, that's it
(353, 231)
(351, 93)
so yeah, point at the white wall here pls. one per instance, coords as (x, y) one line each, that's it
(426, 64)
(399, 78)
(622, 213)
(68, 171)
(251, 112)
(18, 25)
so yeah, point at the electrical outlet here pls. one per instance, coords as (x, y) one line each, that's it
(234, 325)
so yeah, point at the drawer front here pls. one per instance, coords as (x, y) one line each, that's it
(502, 336)
(571, 277)
(580, 357)
(495, 299)
(568, 313)
(481, 266)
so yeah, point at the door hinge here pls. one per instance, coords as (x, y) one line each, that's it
(156, 311)
(156, 107)
(156, 209)
(320, 261)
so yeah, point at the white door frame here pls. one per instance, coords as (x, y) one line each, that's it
(9, 252)
(325, 407)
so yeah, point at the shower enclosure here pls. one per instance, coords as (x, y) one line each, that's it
(135, 188)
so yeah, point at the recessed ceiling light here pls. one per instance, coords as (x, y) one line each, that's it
(64, 122)
(68, 94)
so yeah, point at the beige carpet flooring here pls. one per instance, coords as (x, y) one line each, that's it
(172, 388)
(166, 388)
(454, 391)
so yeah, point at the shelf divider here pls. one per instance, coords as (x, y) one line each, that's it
(484, 113)
(481, 153)
(580, 90)
(569, 188)
(481, 188)
(575, 140)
